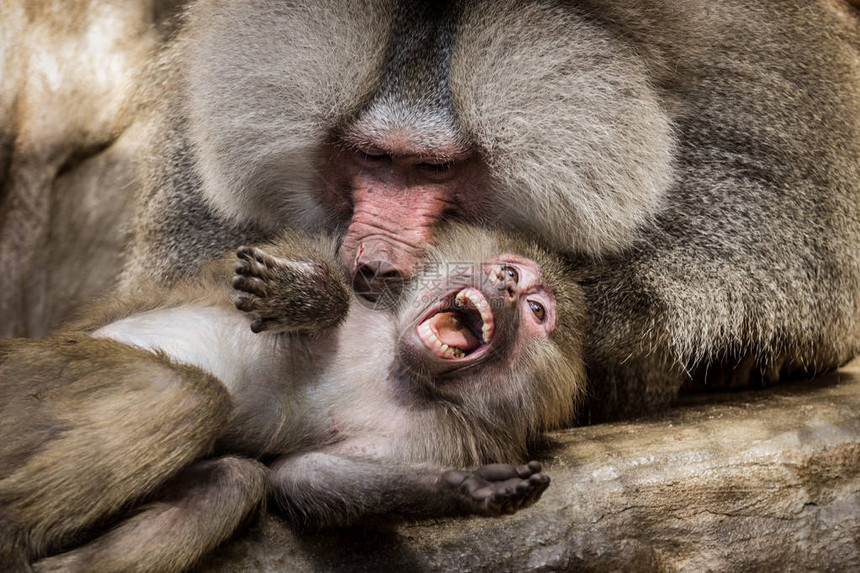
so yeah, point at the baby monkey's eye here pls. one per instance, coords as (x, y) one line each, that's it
(511, 273)
(538, 310)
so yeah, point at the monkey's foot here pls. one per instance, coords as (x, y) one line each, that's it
(285, 295)
(496, 489)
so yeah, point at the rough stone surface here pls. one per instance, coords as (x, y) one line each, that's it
(764, 480)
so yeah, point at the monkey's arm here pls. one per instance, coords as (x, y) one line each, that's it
(294, 285)
(321, 489)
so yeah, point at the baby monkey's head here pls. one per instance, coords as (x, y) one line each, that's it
(497, 320)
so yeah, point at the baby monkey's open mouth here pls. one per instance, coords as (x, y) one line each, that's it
(461, 325)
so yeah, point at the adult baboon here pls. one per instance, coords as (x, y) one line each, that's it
(702, 158)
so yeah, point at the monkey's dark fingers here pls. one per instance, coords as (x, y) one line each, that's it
(495, 500)
(531, 468)
(500, 472)
(250, 266)
(250, 285)
(493, 497)
(246, 303)
(258, 256)
(527, 492)
(504, 505)
(242, 268)
(535, 487)
(482, 490)
(250, 305)
(523, 494)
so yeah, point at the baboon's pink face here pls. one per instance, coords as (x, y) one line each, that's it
(391, 201)
(492, 313)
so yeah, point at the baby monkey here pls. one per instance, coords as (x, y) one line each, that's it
(142, 437)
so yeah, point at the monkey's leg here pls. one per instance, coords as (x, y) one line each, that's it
(195, 512)
(88, 426)
(319, 489)
(289, 295)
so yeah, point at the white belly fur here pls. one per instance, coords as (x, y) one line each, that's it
(212, 338)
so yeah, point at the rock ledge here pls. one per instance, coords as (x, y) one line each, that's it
(763, 480)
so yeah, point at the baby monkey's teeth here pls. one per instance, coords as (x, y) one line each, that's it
(486, 332)
(475, 298)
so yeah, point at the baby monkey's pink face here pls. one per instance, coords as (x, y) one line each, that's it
(479, 311)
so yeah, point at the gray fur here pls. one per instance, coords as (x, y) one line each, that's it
(701, 160)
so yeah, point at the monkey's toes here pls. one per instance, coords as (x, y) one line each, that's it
(242, 268)
(256, 255)
(246, 303)
(250, 285)
(252, 305)
(254, 261)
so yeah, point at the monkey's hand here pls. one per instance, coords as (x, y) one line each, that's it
(284, 295)
(496, 489)
(318, 489)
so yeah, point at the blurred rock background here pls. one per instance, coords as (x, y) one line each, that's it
(67, 143)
